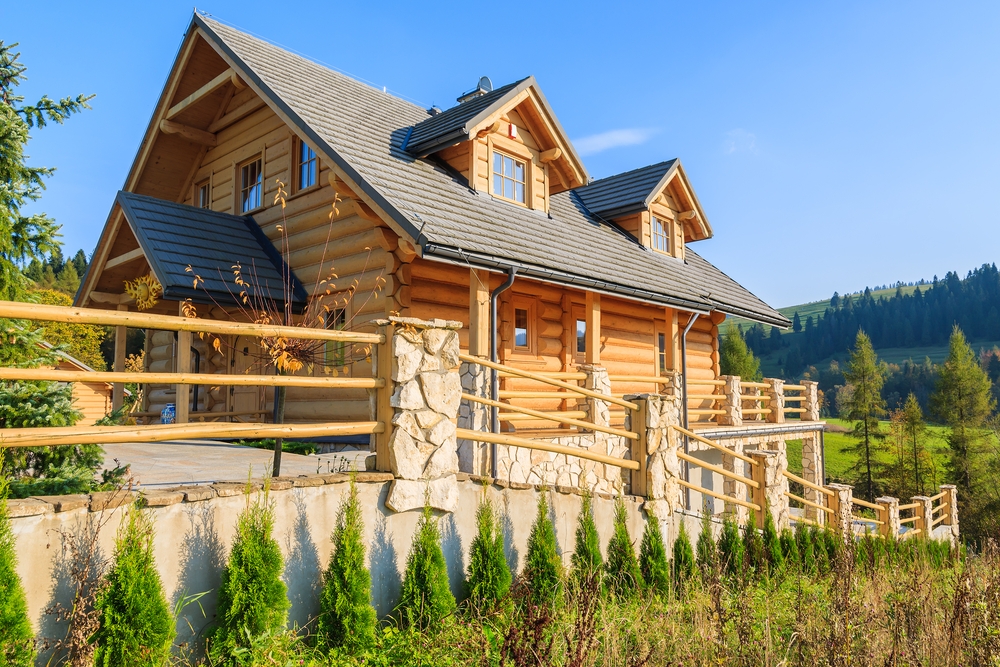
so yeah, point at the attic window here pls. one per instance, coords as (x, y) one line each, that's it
(204, 194)
(308, 166)
(659, 237)
(508, 177)
(251, 185)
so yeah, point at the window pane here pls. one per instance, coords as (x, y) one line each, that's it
(497, 184)
(519, 192)
(304, 175)
(663, 353)
(519, 171)
(508, 188)
(581, 336)
(508, 167)
(497, 163)
(520, 327)
(313, 167)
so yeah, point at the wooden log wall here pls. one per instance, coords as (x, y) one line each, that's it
(703, 364)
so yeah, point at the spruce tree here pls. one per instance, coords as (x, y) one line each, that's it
(586, 558)
(17, 644)
(426, 596)
(489, 575)
(865, 406)
(622, 568)
(735, 358)
(252, 597)
(136, 624)
(346, 616)
(683, 562)
(773, 555)
(653, 564)
(706, 551)
(915, 429)
(543, 566)
(731, 548)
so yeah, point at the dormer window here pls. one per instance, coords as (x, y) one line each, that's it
(659, 235)
(508, 177)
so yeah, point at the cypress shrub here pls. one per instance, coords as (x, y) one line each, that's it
(543, 566)
(136, 625)
(489, 575)
(346, 616)
(707, 552)
(17, 644)
(683, 559)
(586, 558)
(731, 548)
(819, 550)
(426, 596)
(833, 544)
(622, 569)
(773, 557)
(803, 541)
(790, 549)
(252, 597)
(653, 563)
(753, 547)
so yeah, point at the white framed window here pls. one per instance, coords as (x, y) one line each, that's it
(509, 177)
(660, 234)
(251, 185)
(203, 195)
(308, 166)
(525, 332)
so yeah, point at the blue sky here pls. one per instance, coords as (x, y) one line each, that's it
(832, 145)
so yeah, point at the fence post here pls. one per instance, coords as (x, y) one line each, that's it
(382, 367)
(889, 517)
(597, 380)
(776, 392)
(812, 471)
(427, 392)
(661, 444)
(811, 404)
(182, 392)
(841, 502)
(645, 422)
(474, 457)
(950, 509)
(773, 485)
(924, 514)
(732, 403)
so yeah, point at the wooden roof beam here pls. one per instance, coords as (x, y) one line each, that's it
(201, 93)
(130, 256)
(188, 132)
(236, 114)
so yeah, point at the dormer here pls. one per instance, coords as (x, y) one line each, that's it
(506, 142)
(656, 205)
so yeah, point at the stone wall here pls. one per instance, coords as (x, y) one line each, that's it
(531, 466)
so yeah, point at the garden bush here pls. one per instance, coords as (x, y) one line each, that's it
(683, 559)
(17, 645)
(790, 549)
(707, 552)
(136, 624)
(753, 548)
(803, 542)
(774, 559)
(489, 576)
(653, 564)
(586, 559)
(622, 568)
(543, 565)
(731, 548)
(346, 616)
(426, 596)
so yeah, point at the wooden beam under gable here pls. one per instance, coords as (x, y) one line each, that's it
(130, 256)
(200, 94)
(191, 133)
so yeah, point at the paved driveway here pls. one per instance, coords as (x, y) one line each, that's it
(205, 461)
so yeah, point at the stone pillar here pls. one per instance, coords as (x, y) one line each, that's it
(812, 471)
(427, 392)
(663, 467)
(950, 510)
(473, 456)
(732, 403)
(841, 503)
(924, 514)
(772, 486)
(811, 404)
(597, 380)
(731, 487)
(889, 517)
(776, 392)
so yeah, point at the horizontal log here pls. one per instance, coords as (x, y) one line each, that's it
(809, 503)
(717, 470)
(713, 444)
(570, 418)
(45, 374)
(715, 494)
(807, 483)
(202, 92)
(544, 446)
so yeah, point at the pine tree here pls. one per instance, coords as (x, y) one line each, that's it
(683, 561)
(543, 566)
(587, 552)
(735, 358)
(68, 280)
(17, 645)
(489, 576)
(796, 322)
(426, 596)
(653, 564)
(622, 568)
(773, 555)
(136, 624)
(252, 597)
(707, 552)
(731, 548)
(916, 430)
(23, 237)
(865, 406)
(346, 616)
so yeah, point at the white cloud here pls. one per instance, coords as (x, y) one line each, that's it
(739, 140)
(598, 143)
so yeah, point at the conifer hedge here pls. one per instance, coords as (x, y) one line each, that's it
(489, 576)
(731, 547)
(17, 645)
(683, 562)
(426, 595)
(587, 560)
(622, 568)
(653, 564)
(707, 551)
(543, 565)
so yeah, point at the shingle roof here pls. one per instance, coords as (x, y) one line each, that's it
(362, 130)
(173, 236)
(622, 194)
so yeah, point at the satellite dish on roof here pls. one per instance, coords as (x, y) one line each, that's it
(485, 84)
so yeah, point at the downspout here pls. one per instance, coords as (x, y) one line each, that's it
(495, 376)
(684, 406)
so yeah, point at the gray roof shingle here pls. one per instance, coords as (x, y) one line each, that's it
(362, 130)
(625, 193)
(173, 236)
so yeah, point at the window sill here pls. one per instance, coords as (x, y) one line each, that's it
(303, 191)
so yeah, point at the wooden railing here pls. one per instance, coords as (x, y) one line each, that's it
(879, 511)
(728, 474)
(823, 492)
(707, 395)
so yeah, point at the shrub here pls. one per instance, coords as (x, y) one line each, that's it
(707, 551)
(753, 547)
(426, 596)
(683, 559)
(790, 549)
(543, 567)
(731, 548)
(820, 553)
(136, 624)
(17, 646)
(489, 575)
(622, 568)
(803, 542)
(586, 559)
(653, 563)
(773, 556)
(252, 597)
(346, 617)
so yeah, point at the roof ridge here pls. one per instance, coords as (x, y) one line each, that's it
(630, 171)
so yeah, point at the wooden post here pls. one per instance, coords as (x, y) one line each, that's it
(593, 354)
(382, 368)
(479, 313)
(640, 423)
(182, 392)
(121, 337)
